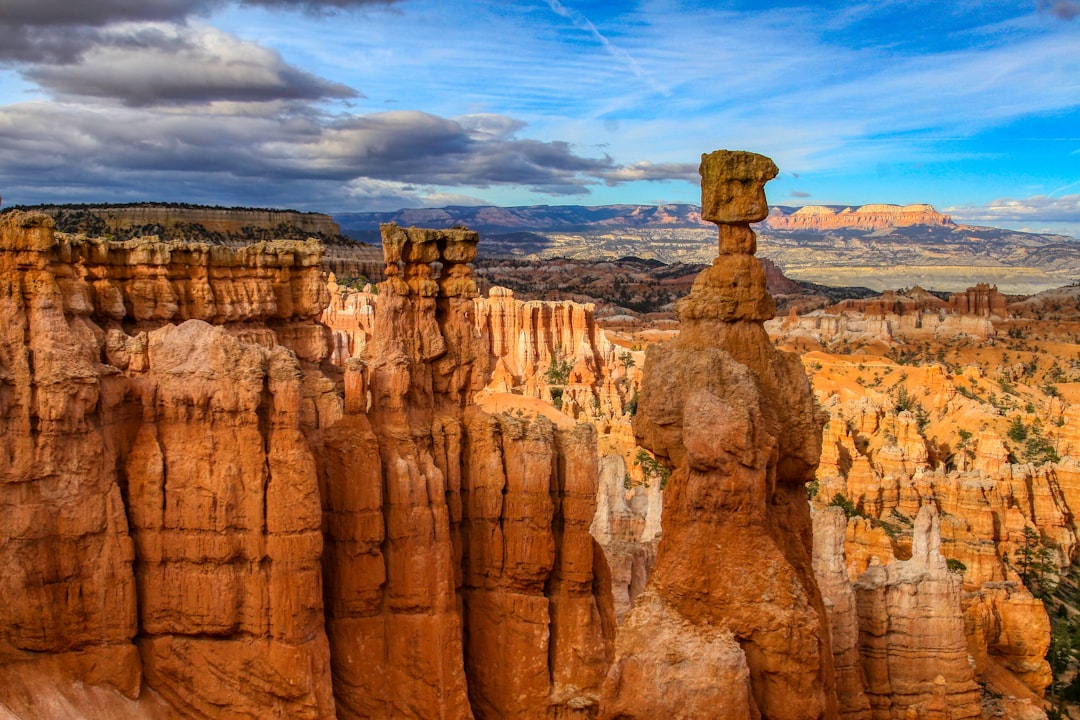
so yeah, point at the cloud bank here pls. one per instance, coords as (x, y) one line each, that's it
(140, 95)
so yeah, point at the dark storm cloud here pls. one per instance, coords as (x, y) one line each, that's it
(416, 147)
(149, 65)
(97, 13)
(54, 151)
(60, 31)
(94, 13)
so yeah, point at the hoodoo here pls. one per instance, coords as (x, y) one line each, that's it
(732, 623)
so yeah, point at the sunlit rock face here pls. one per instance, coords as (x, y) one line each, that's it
(866, 217)
(913, 644)
(163, 522)
(733, 589)
(207, 518)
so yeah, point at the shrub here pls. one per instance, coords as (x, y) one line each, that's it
(652, 468)
(558, 371)
(850, 511)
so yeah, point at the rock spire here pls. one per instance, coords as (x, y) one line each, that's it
(733, 592)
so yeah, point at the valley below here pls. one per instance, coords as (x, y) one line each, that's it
(880, 247)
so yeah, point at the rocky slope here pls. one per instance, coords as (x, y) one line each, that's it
(979, 433)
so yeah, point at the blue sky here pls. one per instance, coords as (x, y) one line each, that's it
(339, 105)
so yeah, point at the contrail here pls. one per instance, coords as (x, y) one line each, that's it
(616, 52)
(1066, 187)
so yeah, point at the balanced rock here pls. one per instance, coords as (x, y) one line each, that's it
(736, 421)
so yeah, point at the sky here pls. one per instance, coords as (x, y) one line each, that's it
(972, 106)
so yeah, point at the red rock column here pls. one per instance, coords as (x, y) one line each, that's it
(396, 622)
(66, 586)
(732, 597)
(224, 504)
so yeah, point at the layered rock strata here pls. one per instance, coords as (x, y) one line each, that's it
(866, 217)
(830, 524)
(891, 451)
(163, 517)
(233, 224)
(465, 570)
(913, 646)
(911, 315)
(522, 341)
(204, 514)
(733, 593)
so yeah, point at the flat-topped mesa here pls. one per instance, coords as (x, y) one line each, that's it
(732, 196)
(818, 218)
(148, 281)
(736, 420)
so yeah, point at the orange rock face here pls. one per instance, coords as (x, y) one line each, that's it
(206, 516)
(160, 483)
(736, 421)
(914, 649)
(839, 595)
(896, 446)
(979, 300)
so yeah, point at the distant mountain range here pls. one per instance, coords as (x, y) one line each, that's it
(878, 246)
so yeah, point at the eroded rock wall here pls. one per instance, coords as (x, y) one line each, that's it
(215, 522)
(166, 488)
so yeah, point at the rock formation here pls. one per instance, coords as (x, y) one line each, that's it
(466, 570)
(839, 596)
(983, 299)
(229, 224)
(233, 227)
(914, 649)
(207, 517)
(913, 314)
(733, 596)
(866, 217)
(901, 442)
(157, 482)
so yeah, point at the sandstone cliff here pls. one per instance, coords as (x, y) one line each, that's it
(908, 315)
(539, 355)
(163, 525)
(913, 645)
(229, 224)
(866, 217)
(209, 518)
